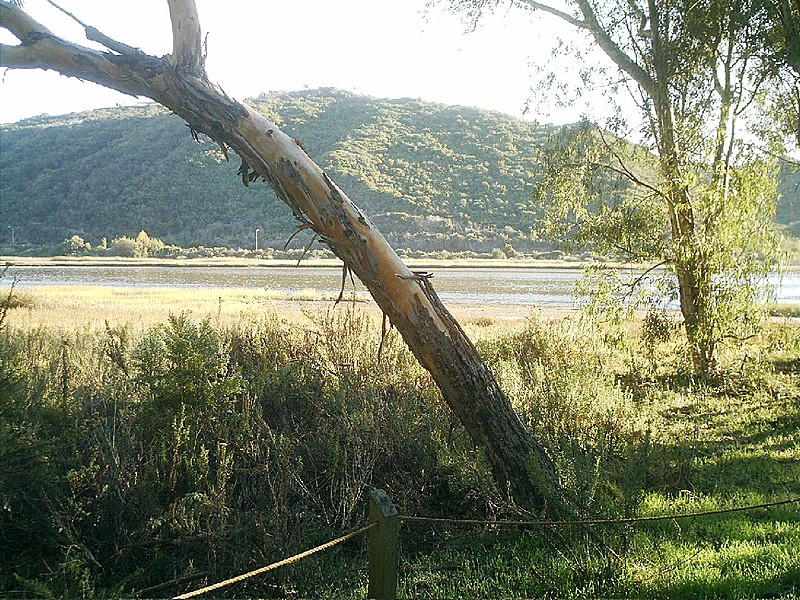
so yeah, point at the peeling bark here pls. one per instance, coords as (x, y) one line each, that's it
(520, 464)
(186, 35)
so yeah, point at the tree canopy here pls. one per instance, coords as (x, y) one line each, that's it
(700, 80)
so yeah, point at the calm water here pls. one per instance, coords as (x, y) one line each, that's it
(550, 287)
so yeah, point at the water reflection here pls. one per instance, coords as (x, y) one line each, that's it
(551, 287)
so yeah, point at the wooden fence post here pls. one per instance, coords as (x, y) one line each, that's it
(383, 546)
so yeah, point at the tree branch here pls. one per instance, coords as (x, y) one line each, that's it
(624, 170)
(51, 53)
(19, 23)
(612, 49)
(41, 49)
(66, 12)
(592, 24)
(187, 36)
(558, 13)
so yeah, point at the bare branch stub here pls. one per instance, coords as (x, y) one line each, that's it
(384, 331)
(187, 37)
(307, 248)
(303, 225)
(345, 272)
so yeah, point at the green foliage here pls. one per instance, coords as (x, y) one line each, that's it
(597, 192)
(16, 299)
(177, 444)
(147, 246)
(142, 246)
(122, 246)
(432, 177)
(707, 218)
(788, 210)
(74, 246)
(784, 310)
(561, 384)
(697, 197)
(777, 30)
(409, 164)
(134, 458)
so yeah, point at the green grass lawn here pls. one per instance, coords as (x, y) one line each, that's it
(700, 448)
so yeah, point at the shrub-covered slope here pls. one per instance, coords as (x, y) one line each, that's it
(432, 176)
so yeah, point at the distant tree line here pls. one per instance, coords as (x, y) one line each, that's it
(145, 246)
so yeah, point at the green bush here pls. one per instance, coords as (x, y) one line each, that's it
(196, 450)
(17, 300)
(562, 387)
(74, 246)
(151, 457)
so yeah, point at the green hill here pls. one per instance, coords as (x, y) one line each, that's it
(431, 176)
(788, 214)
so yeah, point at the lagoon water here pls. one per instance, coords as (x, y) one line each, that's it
(527, 286)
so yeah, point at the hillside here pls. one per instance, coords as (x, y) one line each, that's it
(431, 176)
(788, 214)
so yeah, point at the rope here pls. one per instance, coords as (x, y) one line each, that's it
(597, 521)
(281, 563)
(344, 538)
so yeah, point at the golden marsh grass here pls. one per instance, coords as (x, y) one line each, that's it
(79, 306)
(92, 306)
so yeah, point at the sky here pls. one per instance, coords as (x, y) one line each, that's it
(381, 48)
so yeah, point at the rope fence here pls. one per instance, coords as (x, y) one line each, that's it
(383, 526)
(276, 565)
(579, 522)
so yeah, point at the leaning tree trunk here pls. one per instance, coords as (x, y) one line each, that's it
(407, 298)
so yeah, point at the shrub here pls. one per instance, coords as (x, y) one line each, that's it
(123, 246)
(560, 386)
(184, 441)
(73, 246)
(17, 300)
(147, 246)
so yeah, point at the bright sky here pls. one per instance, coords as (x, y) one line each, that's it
(382, 48)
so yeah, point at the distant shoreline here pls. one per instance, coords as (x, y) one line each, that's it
(333, 263)
(413, 263)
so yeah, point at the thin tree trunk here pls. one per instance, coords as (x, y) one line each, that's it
(408, 299)
(689, 264)
(653, 82)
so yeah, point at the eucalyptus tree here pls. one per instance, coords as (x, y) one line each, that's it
(178, 81)
(782, 31)
(780, 39)
(694, 71)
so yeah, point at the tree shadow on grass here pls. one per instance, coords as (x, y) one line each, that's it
(740, 585)
(752, 458)
(756, 462)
